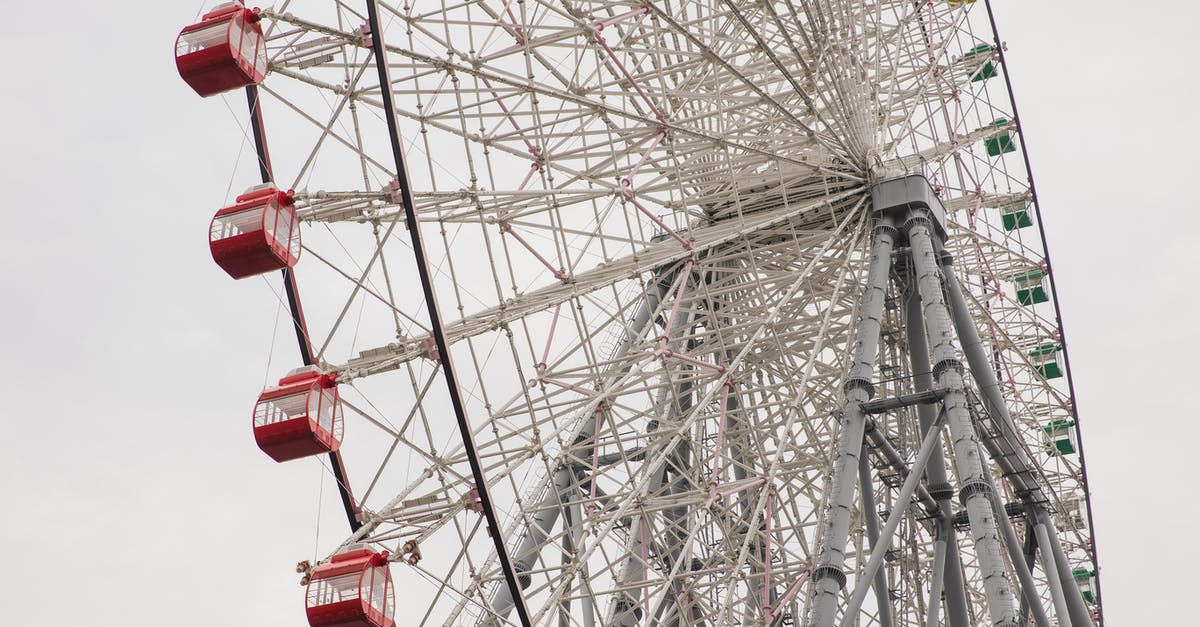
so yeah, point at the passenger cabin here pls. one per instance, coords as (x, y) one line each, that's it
(1060, 437)
(1016, 215)
(1074, 508)
(1085, 578)
(978, 61)
(1031, 287)
(1001, 140)
(352, 589)
(224, 51)
(300, 417)
(258, 234)
(1047, 360)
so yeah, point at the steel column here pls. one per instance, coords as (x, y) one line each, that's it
(1030, 556)
(1052, 575)
(627, 610)
(829, 577)
(569, 548)
(1081, 616)
(957, 613)
(1022, 563)
(737, 443)
(575, 511)
(939, 574)
(947, 372)
(531, 543)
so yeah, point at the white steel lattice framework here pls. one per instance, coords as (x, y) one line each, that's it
(649, 227)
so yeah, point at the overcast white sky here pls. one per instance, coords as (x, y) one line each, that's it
(132, 492)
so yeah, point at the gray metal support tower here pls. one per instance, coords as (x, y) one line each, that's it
(936, 316)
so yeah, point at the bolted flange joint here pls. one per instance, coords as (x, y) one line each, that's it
(917, 218)
(941, 491)
(885, 228)
(947, 364)
(972, 489)
(859, 384)
(829, 571)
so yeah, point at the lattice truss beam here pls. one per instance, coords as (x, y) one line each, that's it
(650, 226)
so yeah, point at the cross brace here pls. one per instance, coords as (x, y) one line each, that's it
(927, 397)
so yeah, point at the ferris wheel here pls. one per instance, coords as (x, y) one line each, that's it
(658, 313)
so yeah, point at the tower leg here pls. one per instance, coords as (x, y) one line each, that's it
(1030, 602)
(1081, 616)
(1030, 551)
(1052, 576)
(939, 575)
(570, 512)
(586, 605)
(537, 532)
(671, 476)
(829, 577)
(737, 443)
(901, 504)
(947, 371)
(957, 614)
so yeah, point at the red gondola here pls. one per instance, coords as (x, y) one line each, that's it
(302, 416)
(352, 589)
(258, 234)
(224, 51)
